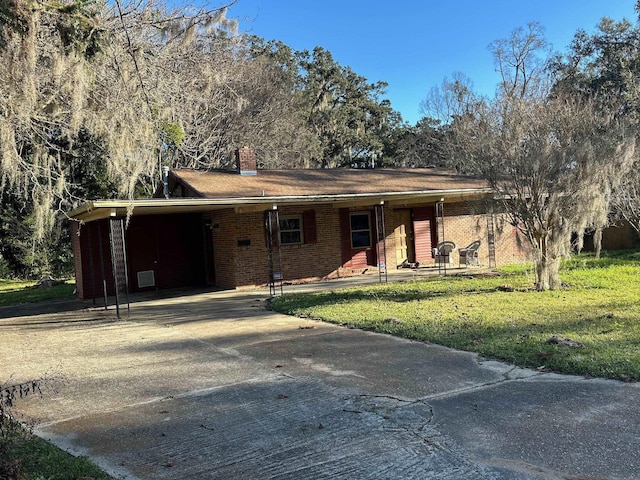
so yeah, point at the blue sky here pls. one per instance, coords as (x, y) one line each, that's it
(414, 44)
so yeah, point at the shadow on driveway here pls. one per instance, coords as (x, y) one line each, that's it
(213, 385)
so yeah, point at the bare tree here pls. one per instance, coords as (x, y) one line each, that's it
(520, 60)
(74, 66)
(222, 96)
(605, 67)
(453, 98)
(553, 164)
(553, 159)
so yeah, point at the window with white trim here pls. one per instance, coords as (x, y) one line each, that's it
(291, 230)
(360, 230)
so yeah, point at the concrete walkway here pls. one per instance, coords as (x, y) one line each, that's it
(214, 386)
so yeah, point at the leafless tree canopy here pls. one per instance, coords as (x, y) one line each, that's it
(453, 98)
(553, 164)
(553, 159)
(520, 61)
(604, 66)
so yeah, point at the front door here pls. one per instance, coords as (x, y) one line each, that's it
(404, 238)
(424, 233)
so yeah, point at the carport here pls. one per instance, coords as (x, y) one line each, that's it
(168, 251)
(122, 247)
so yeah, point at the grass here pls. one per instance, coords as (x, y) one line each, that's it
(39, 460)
(595, 318)
(14, 292)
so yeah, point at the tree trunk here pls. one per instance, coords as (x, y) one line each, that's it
(547, 266)
(597, 241)
(548, 273)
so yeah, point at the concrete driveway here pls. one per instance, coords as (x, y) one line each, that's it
(214, 386)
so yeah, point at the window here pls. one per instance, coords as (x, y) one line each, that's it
(291, 230)
(360, 230)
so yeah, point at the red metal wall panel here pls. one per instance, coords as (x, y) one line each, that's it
(424, 233)
(170, 245)
(94, 260)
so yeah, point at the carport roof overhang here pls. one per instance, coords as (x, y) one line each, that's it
(101, 209)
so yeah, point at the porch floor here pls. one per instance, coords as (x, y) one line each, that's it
(394, 275)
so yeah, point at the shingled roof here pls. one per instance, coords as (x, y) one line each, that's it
(275, 183)
(206, 191)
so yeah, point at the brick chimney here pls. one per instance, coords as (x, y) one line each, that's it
(246, 161)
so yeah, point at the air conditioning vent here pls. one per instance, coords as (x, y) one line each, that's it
(146, 278)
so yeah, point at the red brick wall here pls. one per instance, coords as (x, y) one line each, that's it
(223, 233)
(464, 224)
(617, 237)
(511, 245)
(314, 260)
(246, 160)
(251, 262)
(242, 266)
(249, 266)
(235, 264)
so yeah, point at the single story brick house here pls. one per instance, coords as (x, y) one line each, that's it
(249, 227)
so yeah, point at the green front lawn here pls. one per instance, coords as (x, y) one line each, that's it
(590, 327)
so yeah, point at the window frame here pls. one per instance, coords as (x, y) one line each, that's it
(368, 230)
(300, 228)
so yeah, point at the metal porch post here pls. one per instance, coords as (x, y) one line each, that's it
(491, 236)
(442, 266)
(381, 245)
(91, 265)
(272, 230)
(119, 262)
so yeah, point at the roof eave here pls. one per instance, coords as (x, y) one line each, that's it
(100, 209)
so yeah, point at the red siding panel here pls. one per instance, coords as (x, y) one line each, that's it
(424, 233)
(170, 245)
(94, 260)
